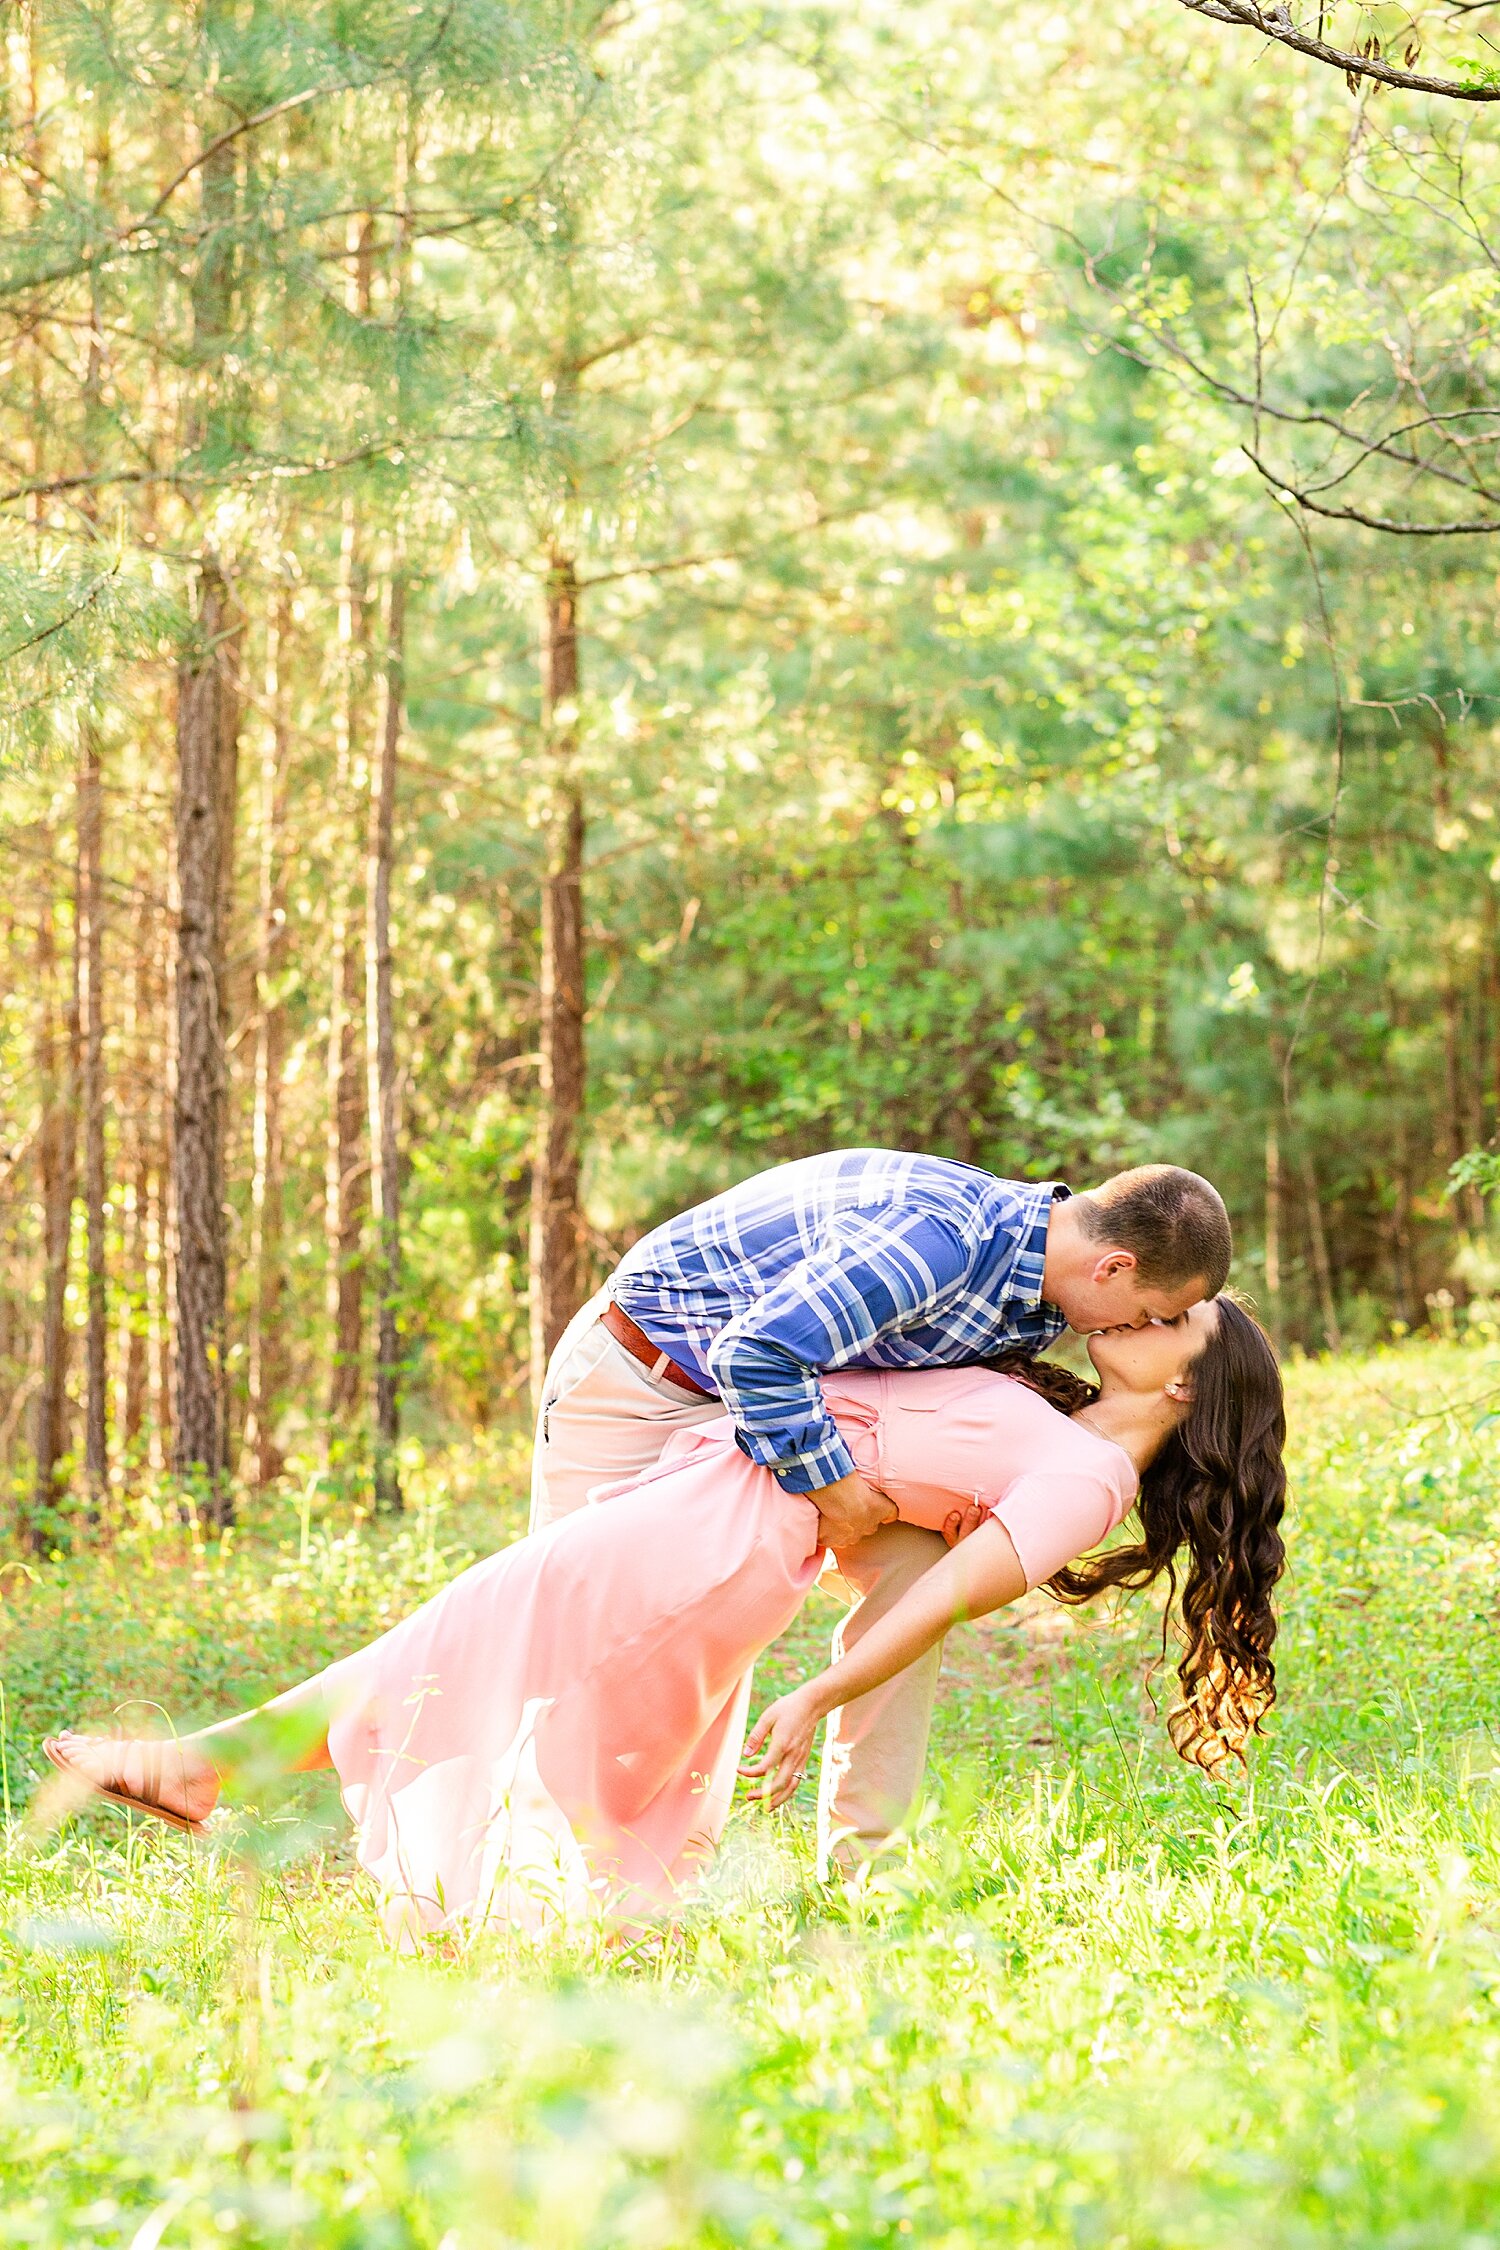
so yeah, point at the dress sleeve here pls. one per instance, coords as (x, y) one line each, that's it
(1055, 1515)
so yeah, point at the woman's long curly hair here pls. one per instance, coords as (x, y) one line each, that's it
(1218, 1489)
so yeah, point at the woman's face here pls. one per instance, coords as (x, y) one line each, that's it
(1151, 1358)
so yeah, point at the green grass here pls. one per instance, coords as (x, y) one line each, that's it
(1095, 2002)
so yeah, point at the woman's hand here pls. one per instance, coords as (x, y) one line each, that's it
(783, 1734)
(982, 1573)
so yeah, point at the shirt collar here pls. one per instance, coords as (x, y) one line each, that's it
(1026, 1274)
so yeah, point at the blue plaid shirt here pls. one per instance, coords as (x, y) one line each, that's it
(866, 1257)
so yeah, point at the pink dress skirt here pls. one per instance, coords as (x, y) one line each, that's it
(556, 1734)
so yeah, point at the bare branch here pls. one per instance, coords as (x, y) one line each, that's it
(1304, 499)
(1256, 404)
(1278, 25)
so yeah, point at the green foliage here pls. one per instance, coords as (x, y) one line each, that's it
(973, 753)
(69, 617)
(1479, 1169)
(1094, 2000)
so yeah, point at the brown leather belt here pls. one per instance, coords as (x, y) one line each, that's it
(634, 1340)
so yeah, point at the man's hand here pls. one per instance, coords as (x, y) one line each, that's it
(962, 1522)
(849, 1511)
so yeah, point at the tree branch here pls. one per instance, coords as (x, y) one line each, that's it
(245, 125)
(257, 472)
(1314, 507)
(1278, 25)
(824, 517)
(85, 601)
(1256, 404)
(120, 237)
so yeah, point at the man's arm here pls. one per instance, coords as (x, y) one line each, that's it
(874, 1272)
(981, 1574)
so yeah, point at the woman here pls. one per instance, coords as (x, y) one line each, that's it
(557, 1732)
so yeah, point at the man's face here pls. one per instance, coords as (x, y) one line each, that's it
(1113, 1295)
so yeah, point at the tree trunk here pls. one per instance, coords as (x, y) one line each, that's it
(136, 1135)
(556, 1226)
(91, 965)
(1456, 1123)
(207, 738)
(345, 1175)
(15, 1330)
(1488, 1061)
(1404, 1292)
(57, 1061)
(207, 779)
(1273, 1234)
(262, 1457)
(1322, 1270)
(91, 951)
(131, 1404)
(344, 1172)
(1454, 1138)
(161, 1236)
(380, 1047)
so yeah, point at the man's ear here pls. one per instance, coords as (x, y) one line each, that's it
(1112, 1263)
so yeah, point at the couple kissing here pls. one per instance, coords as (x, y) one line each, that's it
(833, 1367)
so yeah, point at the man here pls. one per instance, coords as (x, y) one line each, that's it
(860, 1258)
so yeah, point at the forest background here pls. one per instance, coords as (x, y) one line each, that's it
(596, 597)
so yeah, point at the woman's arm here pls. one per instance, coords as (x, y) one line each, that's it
(980, 1574)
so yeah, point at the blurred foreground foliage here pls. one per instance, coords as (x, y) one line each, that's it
(1093, 2002)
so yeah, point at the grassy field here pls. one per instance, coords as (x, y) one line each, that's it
(1094, 2002)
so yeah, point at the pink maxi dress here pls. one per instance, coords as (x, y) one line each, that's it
(556, 1734)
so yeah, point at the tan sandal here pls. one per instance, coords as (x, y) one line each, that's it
(153, 1811)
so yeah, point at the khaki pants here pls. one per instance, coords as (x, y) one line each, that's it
(603, 1416)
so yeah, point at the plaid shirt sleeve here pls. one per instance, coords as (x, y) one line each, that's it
(873, 1271)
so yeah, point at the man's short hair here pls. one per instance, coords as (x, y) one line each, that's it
(1174, 1221)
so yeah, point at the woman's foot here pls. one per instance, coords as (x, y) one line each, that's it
(173, 1781)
